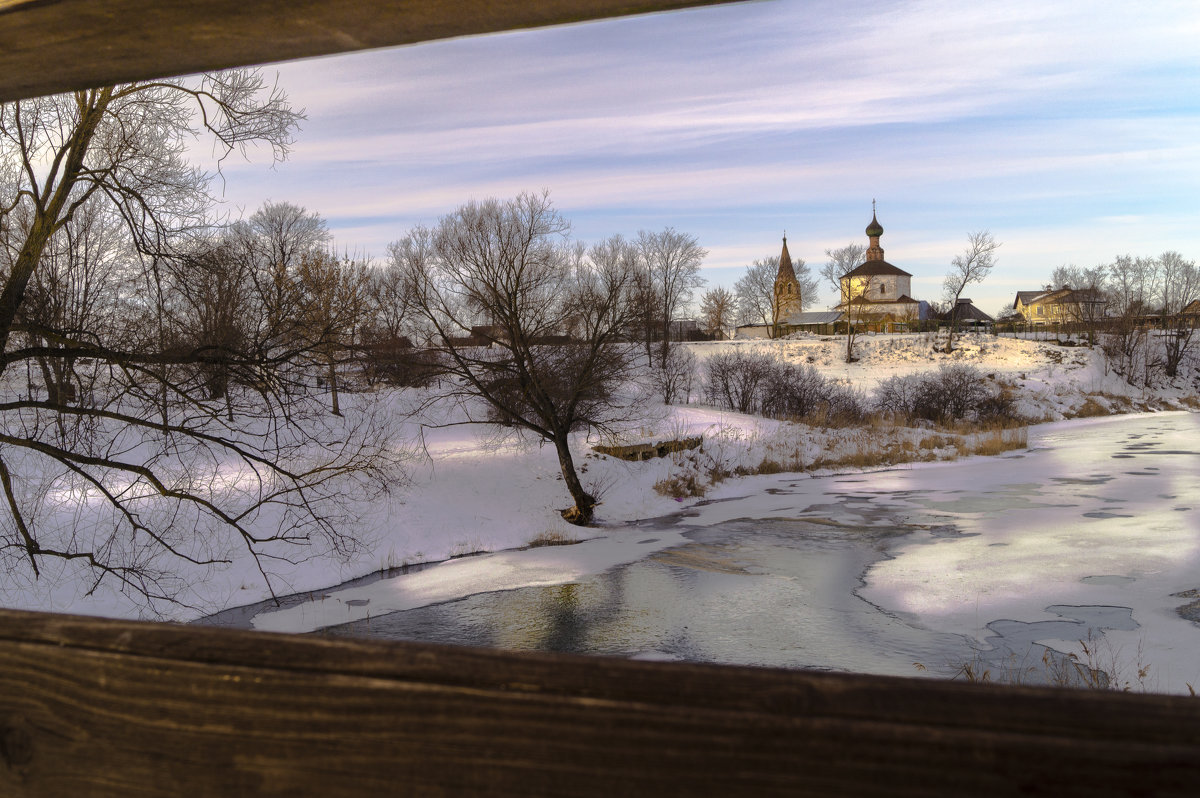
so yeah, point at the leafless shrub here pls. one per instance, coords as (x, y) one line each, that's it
(751, 383)
(674, 375)
(734, 380)
(952, 393)
(792, 391)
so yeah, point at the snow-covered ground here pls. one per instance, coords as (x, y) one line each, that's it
(469, 492)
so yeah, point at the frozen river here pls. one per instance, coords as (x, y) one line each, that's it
(1092, 535)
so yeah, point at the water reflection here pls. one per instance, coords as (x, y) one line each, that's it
(773, 592)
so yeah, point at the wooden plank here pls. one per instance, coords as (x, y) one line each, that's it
(50, 46)
(101, 707)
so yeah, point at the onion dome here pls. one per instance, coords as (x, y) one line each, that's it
(874, 229)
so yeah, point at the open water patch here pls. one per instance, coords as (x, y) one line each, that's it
(774, 592)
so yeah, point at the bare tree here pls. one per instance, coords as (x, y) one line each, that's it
(674, 376)
(73, 292)
(858, 308)
(755, 290)
(1077, 277)
(1179, 285)
(841, 261)
(1087, 310)
(505, 272)
(672, 260)
(334, 296)
(645, 304)
(972, 266)
(281, 234)
(274, 241)
(389, 295)
(146, 476)
(1131, 289)
(717, 310)
(204, 306)
(387, 324)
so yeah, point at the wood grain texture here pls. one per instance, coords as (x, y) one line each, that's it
(50, 46)
(99, 707)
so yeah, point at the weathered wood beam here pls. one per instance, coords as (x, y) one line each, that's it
(50, 46)
(99, 707)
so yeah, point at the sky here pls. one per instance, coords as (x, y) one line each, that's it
(1069, 130)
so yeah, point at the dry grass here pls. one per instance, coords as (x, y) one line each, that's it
(998, 442)
(1090, 408)
(800, 449)
(682, 486)
(467, 548)
(1190, 401)
(552, 537)
(769, 466)
(965, 427)
(869, 457)
(935, 442)
(1099, 668)
(872, 453)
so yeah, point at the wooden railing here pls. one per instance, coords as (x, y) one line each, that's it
(49, 46)
(92, 707)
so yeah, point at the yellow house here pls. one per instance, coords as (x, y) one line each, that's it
(1059, 306)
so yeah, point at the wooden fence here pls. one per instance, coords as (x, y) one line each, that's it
(93, 707)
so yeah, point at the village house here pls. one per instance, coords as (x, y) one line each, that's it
(1059, 306)
(1192, 311)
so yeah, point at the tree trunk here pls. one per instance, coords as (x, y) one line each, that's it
(581, 513)
(333, 385)
(47, 217)
(648, 331)
(953, 322)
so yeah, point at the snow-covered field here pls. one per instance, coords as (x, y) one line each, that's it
(470, 492)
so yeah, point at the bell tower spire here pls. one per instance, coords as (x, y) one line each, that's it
(787, 303)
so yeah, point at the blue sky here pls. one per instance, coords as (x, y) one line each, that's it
(1071, 131)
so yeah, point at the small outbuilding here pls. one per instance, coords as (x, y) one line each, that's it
(966, 314)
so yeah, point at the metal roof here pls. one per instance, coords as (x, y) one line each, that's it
(816, 317)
